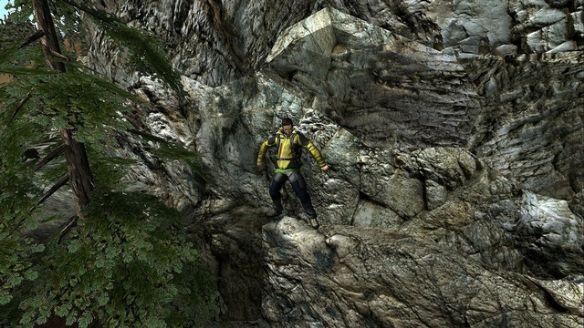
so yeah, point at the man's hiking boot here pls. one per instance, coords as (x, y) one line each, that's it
(275, 213)
(309, 219)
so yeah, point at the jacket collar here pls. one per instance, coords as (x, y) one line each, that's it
(281, 131)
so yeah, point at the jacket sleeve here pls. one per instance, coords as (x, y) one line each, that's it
(270, 142)
(307, 143)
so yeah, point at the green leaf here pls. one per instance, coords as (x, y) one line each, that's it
(5, 298)
(102, 300)
(14, 280)
(71, 318)
(74, 246)
(155, 323)
(31, 275)
(85, 320)
(131, 258)
(37, 248)
(62, 310)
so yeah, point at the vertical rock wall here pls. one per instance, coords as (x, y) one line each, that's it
(453, 129)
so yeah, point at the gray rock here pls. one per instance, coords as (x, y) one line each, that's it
(235, 253)
(338, 198)
(400, 193)
(552, 229)
(378, 70)
(506, 50)
(342, 152)
(370, 214)
(546, 16)
(523, 137)
(436, 194)
(566, 46)
(338, 276)
(449, 166)
(553, 221)
(578, 19)
(478, 19)
(567, 293)
(429, 151)
(536, 42)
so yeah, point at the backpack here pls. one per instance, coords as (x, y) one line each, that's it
(296, 147)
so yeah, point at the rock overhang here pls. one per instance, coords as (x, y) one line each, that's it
(381, 86)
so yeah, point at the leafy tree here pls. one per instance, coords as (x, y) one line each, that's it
(124, 259)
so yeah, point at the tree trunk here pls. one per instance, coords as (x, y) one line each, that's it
(81, 178)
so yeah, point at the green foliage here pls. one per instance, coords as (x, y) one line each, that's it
(172, 151)
(146, 52)
(66, 19)
(21, 10)
(129, 262)
(17, 196)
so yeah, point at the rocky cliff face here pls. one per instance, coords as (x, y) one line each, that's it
(454, 130)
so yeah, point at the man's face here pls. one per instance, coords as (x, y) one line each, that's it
(287, 129)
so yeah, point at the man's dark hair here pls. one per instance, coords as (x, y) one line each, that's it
(287, 121)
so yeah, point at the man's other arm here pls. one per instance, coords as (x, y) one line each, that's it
(267, 143)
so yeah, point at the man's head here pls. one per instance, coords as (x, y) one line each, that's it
(287, 125)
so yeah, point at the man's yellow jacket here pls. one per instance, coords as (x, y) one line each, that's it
(289, 150)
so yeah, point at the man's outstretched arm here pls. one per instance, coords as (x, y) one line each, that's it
(309, 145)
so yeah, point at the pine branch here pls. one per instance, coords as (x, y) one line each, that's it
(50, 41)
(70, 224)
(60, 56)
(147, 135)
(144, 49)
(102, 16)
(58, 184)
(80, 175)
(19, 107)
(37, 35)
(50, 156)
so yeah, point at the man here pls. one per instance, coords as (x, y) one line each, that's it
(290, 142)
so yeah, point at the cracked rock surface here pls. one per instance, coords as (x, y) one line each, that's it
(347, 276)
(454, 131)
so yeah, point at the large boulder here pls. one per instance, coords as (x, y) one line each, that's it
(358, 277)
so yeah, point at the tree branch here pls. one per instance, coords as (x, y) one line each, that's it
(146, 135)
(60, 183)
(37, 35)
(50, 156)
(19, 107)
(70, 224)
(80, 176)
(60, 56)
(50, 40)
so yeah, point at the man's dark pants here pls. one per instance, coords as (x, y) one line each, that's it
(299, 187)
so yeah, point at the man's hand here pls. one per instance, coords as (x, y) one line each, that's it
(325, 168)
(260, 168)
